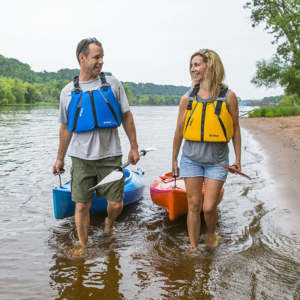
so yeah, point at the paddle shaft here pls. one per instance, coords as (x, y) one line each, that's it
(142, 153)
(118, 169)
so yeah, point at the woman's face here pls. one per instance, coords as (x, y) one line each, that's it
(198, 69)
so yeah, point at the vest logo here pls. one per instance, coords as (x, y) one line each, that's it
(214, 135)
(81, 111)
(107, 122)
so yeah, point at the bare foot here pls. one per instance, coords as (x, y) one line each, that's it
(110, 231)
(191, 252)
(212, 240)
(78, 251)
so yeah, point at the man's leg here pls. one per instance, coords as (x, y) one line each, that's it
(114, 208)
(82, 221)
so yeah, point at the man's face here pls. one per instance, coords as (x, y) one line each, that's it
(92, 64)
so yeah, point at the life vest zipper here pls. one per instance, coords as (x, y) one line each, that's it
(93, 109)
(203, 120)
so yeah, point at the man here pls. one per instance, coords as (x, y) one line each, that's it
(94, 152)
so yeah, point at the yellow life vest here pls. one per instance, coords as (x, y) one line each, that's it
(208, 121)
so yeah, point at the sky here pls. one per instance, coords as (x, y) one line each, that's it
(144, 41)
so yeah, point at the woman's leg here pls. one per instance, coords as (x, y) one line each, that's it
(194, 197)
(211, 200)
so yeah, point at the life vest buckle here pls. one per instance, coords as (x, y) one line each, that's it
(105, 86)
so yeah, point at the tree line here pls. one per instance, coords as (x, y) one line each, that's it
(21, 85)
(280, 18)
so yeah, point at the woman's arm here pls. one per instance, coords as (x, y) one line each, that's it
(233, 109)
(177, 140)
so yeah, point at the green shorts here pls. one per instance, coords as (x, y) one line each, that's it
(87, 173)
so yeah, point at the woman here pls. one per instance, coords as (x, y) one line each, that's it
(201, 112)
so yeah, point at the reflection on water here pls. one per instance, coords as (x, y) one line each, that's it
(257, 258)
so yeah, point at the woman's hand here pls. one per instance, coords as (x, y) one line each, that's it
(175, 169)
(238, 165)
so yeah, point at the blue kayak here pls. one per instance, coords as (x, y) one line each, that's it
(64, 207)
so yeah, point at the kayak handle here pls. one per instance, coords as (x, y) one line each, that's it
(169, 176)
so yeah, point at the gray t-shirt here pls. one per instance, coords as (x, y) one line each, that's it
(99, 143)
(205, 152)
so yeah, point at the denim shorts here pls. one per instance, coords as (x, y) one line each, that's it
(191, 168)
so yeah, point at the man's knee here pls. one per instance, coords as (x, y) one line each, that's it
(83, 208)
(115, 205)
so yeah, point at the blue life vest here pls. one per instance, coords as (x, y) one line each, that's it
(97, 109)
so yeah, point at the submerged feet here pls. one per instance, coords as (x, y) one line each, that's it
(191, 252)
(212, 240)
(110, 229)
(78, 251)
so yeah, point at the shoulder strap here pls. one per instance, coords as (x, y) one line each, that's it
(76, 84)
(192, 95)
(220, 98)
(195, 90)
(104, 83)
(223, 92)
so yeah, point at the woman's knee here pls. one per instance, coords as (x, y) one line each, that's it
(195, 205)
(209, 209)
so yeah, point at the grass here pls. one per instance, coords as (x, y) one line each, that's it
(271, 112)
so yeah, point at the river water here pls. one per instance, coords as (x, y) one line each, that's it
(258, 256)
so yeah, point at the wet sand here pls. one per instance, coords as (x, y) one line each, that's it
(279, 139)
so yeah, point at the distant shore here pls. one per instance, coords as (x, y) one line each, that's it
(279, 139)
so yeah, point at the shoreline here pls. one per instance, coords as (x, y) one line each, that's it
(279, 138)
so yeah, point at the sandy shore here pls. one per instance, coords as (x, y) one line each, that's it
(279, 139)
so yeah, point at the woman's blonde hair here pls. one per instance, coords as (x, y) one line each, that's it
(215, 72)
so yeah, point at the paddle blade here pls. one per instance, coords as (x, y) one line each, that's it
(150, 149)
(145, 151)
(233, 170)
(113, 176)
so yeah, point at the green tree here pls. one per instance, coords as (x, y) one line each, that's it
(128, 93)
(281, 18)
(32, 93)
(6, 95)
(289, 101)
(18, 89)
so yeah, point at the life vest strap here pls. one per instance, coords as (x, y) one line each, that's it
(223, 92)
(76, 84)
(104, 83)
(220, 99)
(192, 95)
(111, 109)
(218, 107)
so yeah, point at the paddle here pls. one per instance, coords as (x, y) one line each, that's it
(233, 170)
(117, 173)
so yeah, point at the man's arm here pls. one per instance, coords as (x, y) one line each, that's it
(65, 137)
(129, 127)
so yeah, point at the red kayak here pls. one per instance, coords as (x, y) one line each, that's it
(170, 194)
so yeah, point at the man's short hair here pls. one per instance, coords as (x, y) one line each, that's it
(83, 47)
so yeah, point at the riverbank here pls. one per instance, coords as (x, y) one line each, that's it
(31, 104)
(279, 139)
